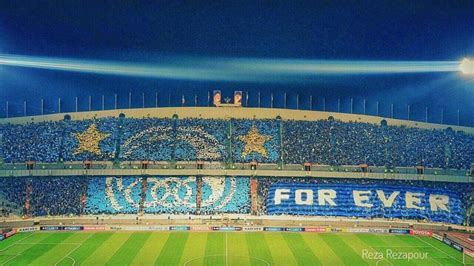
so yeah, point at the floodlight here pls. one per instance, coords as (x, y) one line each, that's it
(467, 66)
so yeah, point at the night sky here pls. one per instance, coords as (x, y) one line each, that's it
(144, 31)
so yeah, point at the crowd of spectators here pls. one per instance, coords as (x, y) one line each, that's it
(104, 133)
(333, 142)
(60, 196)
(55, 196)
(42, 196)
(458, 192)
(113, 195)
(201, 139)
(171, 195)
(256, 140)
(12, 196)
(146, 139)
(326, 142)
(225, 195)
(32, 141)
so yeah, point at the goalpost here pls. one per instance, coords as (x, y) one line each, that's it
(468, 257)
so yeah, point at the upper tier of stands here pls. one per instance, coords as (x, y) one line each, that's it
(327, 142)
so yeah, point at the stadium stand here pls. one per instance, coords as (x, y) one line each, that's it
(31, 141)
(255, 140)
(414, 200)
(12, 196)
(324, 142)
(113, 195)
(354, 198)
(146, 139)
(54, 196)
(225, 195)
(201, 139)
(89, 139)
(173, 195)
(333, 142)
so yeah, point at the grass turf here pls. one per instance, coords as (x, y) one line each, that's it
(218, 248)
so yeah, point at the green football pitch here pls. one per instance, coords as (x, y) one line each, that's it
(220, 248)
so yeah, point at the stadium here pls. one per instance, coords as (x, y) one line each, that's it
(219, 151)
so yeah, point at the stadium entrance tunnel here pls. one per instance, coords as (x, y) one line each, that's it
(227, 260)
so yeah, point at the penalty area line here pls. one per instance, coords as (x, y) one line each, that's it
(18, 242)
(10, 259)
(68, 255)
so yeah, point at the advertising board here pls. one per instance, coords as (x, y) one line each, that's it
(447, 241)
(315, 229)
(50, 228)
(94, 228)
(358, 230)
(61, 228)
(420, 232)
(252, 229)
(72, 228)
(458, 247)
(274, 229)
(179, 228)
(294, 229)
(145, 228)
(9, 234)
(440, 238)
(200, 228)
(226, 228)
(28, 229)
(453, 244)
(399, 231)
(379, 230)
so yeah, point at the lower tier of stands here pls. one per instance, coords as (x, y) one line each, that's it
(361, 198)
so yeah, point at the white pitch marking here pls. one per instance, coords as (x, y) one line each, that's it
(226, 251)
(70, 252)
(436, 261)
(17, 243)
(5, 262)
(16, 255)
(438, 249)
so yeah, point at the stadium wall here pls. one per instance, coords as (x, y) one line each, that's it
(233, 112)
(229, 172)
(198, 223)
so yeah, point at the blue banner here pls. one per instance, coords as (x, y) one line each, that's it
(226, 228)
(368, 200)
(180, 228)
(73, 228)
(294, 229)
(50, 228)
(399, 231)
(274, 229)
